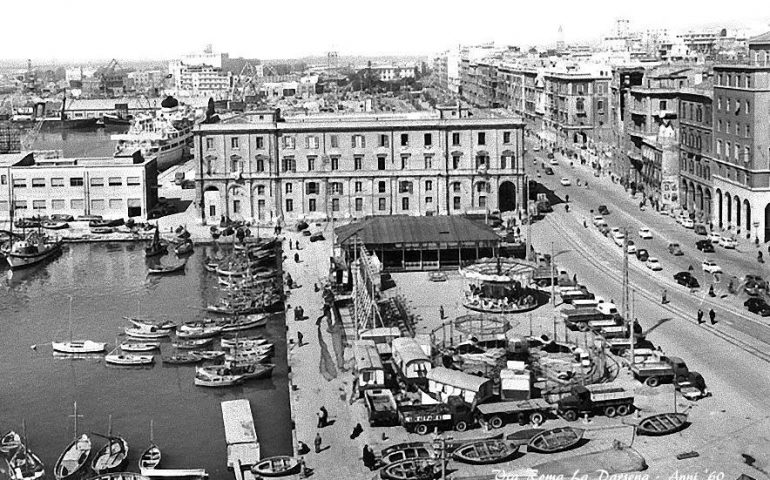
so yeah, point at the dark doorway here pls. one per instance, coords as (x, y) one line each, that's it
(507, 197)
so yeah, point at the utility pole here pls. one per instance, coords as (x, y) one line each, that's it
(625, 298)
(553, 278)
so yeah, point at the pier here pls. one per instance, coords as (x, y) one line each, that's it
(241, 438)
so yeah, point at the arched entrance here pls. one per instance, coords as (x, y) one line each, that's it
(506, 197)
(767, 222)
(707, 204)
(699, 198)
(211, 204)
(747, 210)
(684, 194)
(719, 207)
(737, 214)
(729, 202)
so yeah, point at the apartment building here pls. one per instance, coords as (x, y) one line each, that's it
(695, 150)
(341, 167)
(113, 187)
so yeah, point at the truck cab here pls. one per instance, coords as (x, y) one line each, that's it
(608, 399)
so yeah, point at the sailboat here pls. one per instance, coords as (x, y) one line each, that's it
(77, 346)
(24, 463)
(117, 357)
(113, 456)
(75, 456)
(150, 458)
(156, 247)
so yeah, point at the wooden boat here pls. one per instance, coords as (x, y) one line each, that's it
(522, 437)
(254, 371)
(181, 359)
(139, 346)
(78, 347)
(113, 456)
(218, 380)
(166, 325)
(403, 451)
(206, 332)
(233, 340)
(250, 357)
(71, 462)
(151, 456)
(278, 466)
(412, 469)
(145, 332)
(184, 248)
(248, 345)
(102, 230)
(662, 424)
(244, 323)
(26, 465)
(100, 223)
(156, 247)
(234, 310)
(454, 444)
(34, 249)
(210, 354)
(555, 440)
(192, 344)
(194, 325)
(162, 269)
(128, 359)
(55, 225)
(246, 350)
(10, 442)
(485, 452)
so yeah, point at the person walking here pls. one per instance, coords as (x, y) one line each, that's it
(300, 338)
(368, 457)
(317, 442)
(441, 312)
(296, 258)
(700, 316)
(357, 430)
(296, 245)
(323, 417)
(713, 316)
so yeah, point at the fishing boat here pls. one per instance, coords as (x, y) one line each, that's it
(206, 332)
(26, 465)
(128, 359)
(253, 371)
(278, 466)
(139, 346)
(192, 344)
(162, 269)
(9, 443)
(402, 451)
(485, 452)
(210, 354)
(244, 323)
(102, 230)
(146, 332)
(156, 247)
(202, 380)
(72, 460)
(662, 424)
(51, 225)
(181, 359)
(36, 248)
(184, 248)
(233, 340)
(113, 456)
(555, 440)
(79, 347)
(166, 325)
(412, 469)
(151, 456)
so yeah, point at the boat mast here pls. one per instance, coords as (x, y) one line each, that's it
(75, 416)
(151, 433)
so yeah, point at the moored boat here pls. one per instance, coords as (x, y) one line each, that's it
(102, 230)
(184, 248)
(139, 346)
(277, 466)
(146, 332)
(555, 440)
(166, 325)
(51, 225)
(150, 458)
(662, 424)
(26, 465)
(210, 354)
(218, 380)
(113, 456)
(192, 344)
(156, 247)
(34, 249)
(485, 452)
(233, 340)
(9, 443)
(128, 359)
(244, 323)
(206, 332)
(74, 458)
(79, 346)
(403, 451)
(181, 359)
(162, 269)
(254, 371)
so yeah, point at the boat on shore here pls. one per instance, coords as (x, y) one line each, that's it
(184, 248)
(555, 440)
(74, 458)
(100, 223)
(278, 466)
(102, 230)
(662, 424)
(485, 452)
(51, 225)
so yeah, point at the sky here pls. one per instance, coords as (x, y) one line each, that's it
(79, 30)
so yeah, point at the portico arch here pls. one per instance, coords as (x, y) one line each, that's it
(506, 197)
(212, 204)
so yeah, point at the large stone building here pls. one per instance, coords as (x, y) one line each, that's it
(264, 167)
(695, 150)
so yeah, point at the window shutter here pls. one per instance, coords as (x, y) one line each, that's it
(353, 141)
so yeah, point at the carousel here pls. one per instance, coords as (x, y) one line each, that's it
(500, 285)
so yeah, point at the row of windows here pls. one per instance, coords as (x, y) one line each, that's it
(404, 186)
(358, 203)
(693, 138)
(734, 80)
(357, 141)
(697, 168)
(735, 152)
(729, 104)
(289, 164)
(738, 130)
(694, 111)
(97, 204)
(73, 182)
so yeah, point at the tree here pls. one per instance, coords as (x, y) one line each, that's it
(210, 108)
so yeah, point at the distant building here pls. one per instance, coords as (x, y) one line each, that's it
(147, 81)
(392, 73)
(113, 187)
(201, 74)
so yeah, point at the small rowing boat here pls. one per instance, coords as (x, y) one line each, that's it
(555, 440)
(254, 371)
(662, 424)
(146, 332)
(164, 269)
(203, 380)
(192, 344)
(139, 346)
(206, 332)
(485, 452)
(181, 359)
(210, 354)
(278, 466)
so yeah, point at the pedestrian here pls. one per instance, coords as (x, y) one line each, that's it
(713, 316)
(711, 291)
(302, 448)
(300, 337)
(368, 457)
(323, 416)
(289, 244)
(690, 268)
(303, 473)
(357, 430)
(574, 279)
(664, 297)
(317, 442)
(441, 312)
(296, 258)
(566, 198)
(700, 316)
(296, 245)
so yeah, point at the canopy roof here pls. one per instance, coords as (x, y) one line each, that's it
(410, 230)
(500, 270)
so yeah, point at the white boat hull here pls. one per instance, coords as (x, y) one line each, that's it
(76, 347)
(133, 360)
(141, 333)
(22, 261)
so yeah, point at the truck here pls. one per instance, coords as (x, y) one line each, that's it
(607, 399)
(497, 414)
(381, 406)
(580, 314)
(578, 292)
(421, 419)
(660, 369)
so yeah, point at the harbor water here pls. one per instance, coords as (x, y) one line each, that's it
(107, 281)
(79, 143)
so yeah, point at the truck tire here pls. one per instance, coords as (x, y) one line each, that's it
(570, 415)
(583, 326)
(461, 426)
(496, 422)
(421, 429)
(536, 419)
(610, 411)
(622, 352)
(624, 410)
(652, 382)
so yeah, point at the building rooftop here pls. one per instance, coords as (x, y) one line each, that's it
(42, 161)
(11, 159)
(760, 39)
(403, 229)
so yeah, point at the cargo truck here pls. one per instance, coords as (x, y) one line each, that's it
(660, 370)
(498, 414)
(582, 312)
(421, 419)
(607, 399)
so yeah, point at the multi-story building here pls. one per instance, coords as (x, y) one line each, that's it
(695, 155)
(392, 73)
(147, 81)
(200, 80)
(741, 171)
(264, 167)
(447, 70)
(113, 187)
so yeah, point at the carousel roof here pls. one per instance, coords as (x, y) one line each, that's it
(501, 270)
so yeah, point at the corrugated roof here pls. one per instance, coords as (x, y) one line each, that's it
(408, 229)
(457, 379)
(764, 38)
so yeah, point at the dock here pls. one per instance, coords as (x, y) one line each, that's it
(241, 437)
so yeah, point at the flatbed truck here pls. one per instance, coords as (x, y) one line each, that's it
(532, 411)
(421, 419)
(663, 370)
(607, 399)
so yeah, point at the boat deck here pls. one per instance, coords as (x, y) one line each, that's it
(241, 437)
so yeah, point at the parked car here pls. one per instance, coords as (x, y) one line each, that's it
(566, 182)
(603, 210)
(675, 249)
(714, 237)
(598, 220)
(618, 238)
(686, 279)
(700, 229)
(711, 267)
(728, 242)
(758, 306)
(687, 223)
(642, 254)
(631, 247)
(653, 264)
(549, 171)
(754, 285)
(704, 246)
(553, 161)
(645, 233)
